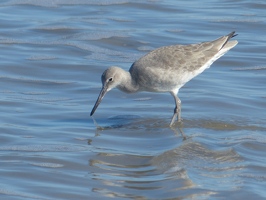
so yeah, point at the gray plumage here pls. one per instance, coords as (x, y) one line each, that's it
(166, 69)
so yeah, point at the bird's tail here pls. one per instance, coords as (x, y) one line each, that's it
(227, 38)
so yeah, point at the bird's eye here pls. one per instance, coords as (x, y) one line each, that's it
(110, 79)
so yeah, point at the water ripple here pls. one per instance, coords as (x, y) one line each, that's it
(56, 3)
(44, 148)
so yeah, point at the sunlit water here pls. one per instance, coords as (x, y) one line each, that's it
(52, 56)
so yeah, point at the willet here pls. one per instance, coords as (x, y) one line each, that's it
(166, 69)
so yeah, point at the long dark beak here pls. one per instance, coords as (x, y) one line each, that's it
(101, 95)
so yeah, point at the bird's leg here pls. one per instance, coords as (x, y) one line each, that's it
(177, 110)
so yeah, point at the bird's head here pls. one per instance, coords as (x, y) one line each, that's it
(111, 78)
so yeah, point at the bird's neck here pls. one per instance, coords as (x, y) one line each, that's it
(127, 84)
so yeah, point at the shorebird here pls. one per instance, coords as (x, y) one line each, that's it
(165, 69)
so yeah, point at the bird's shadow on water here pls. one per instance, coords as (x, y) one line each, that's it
(148, 153)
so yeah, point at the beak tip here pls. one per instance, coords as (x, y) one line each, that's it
(101, 95)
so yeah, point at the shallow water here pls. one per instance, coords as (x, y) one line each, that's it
(52, 57)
